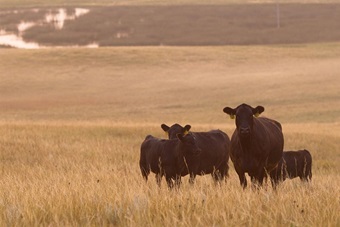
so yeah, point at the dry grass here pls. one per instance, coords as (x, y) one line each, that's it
(72, 121)
(88, 175)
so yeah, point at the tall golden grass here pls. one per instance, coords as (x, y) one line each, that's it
(72, 121)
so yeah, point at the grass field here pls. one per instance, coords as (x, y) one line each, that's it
(72, 121)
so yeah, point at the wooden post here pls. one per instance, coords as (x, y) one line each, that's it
(278, 22)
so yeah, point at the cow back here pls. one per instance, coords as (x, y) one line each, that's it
(215, 146)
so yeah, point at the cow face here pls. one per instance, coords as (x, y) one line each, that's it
(175, 129)
(244, 117)
(173, 161)
(188, 144)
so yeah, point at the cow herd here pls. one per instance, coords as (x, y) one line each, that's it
(256, 148)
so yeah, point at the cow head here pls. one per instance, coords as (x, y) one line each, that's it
(174, 162)
(175, 129)
(244, 117)
(188, 144)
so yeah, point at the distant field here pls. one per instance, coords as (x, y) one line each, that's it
(170, 83)
(181, 25)
(72, 121)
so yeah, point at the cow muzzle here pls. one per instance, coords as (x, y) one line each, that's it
(244, 132)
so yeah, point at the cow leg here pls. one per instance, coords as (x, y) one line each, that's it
(309, 177)
(261, 177)
(158, 179)
(306, 175)
(274, 181)
(192, 178)
(254, 184)
(145, 173)
(304, 178)
(217, 176)
(241, 175)
(276, 176)
(309, 170)
(243, 180)
(257, 180)
(178, 181)
(226, 173)
(169, 182)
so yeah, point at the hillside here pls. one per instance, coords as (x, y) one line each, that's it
(181, 25)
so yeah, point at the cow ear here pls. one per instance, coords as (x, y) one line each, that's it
(258, 110)
(231, 112)
(165, 127)
(186, 129)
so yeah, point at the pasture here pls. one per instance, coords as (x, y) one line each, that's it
(72, 121)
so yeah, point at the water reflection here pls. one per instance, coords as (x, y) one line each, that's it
(57, 18)
(13, 40)
(24, 26)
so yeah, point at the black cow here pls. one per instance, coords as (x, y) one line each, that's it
(166, 157)
(214, 156)
(256, 144)
(293, 164)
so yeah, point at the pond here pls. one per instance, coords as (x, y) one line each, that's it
(56, 18)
